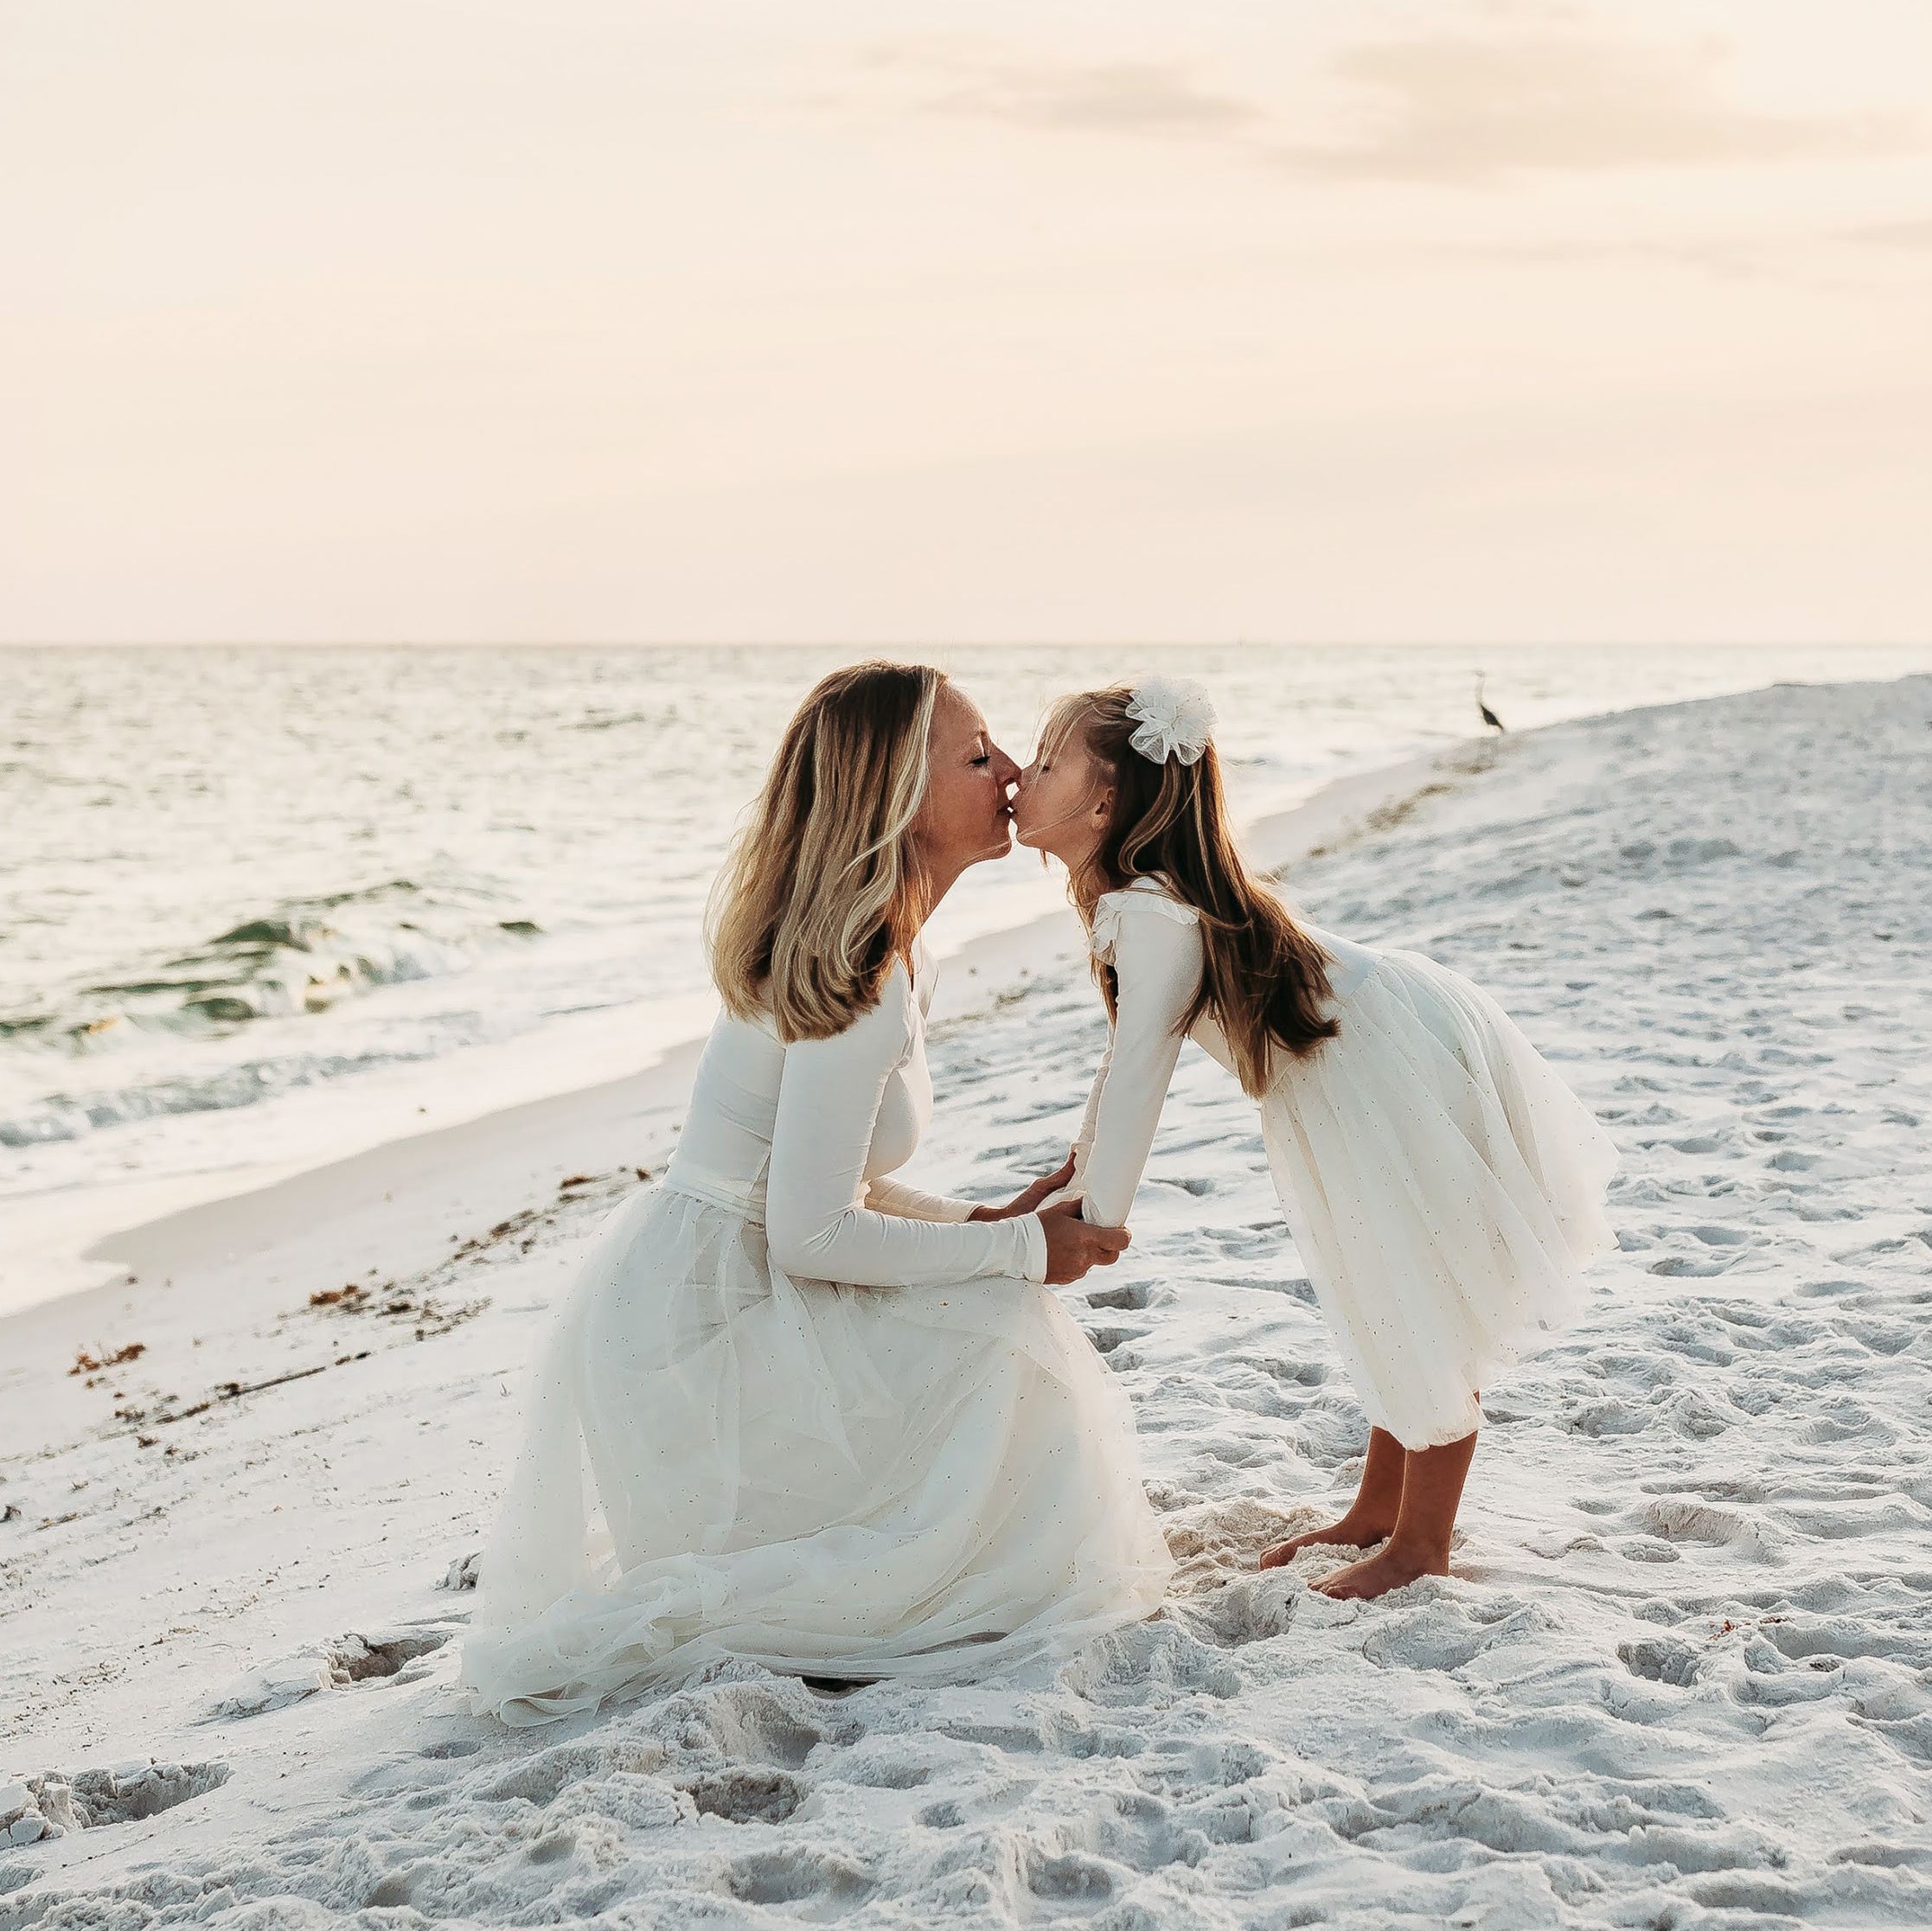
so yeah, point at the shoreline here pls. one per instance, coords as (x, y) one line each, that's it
(446, 1164)
(1315, 717)
(1680, 1666)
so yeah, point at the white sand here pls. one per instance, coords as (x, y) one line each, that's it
(1682, 1675)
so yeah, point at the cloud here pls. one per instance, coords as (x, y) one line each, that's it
(1144, 98)
(1519, 91)
(1733, 260)
(1476, 105)
(1894, 234)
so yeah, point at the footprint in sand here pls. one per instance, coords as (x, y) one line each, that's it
(391, 1657)
(56, 1802)
(746, 1796)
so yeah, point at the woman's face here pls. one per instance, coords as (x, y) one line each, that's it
(1063, 803)
(965, 817)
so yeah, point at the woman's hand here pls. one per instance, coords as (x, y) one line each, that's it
(1072, 1246)
(1028, 1201)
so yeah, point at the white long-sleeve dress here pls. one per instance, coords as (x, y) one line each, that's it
(1444, 1187)
(794, 1411)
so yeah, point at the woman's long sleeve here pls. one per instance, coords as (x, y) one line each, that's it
(817, 1223)
(1157, 970)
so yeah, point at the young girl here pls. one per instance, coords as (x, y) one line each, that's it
(1445, 1189)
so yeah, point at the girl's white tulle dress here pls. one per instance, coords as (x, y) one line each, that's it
(1444, 1187)
(792, 1412)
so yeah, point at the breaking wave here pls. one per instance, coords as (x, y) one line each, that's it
(302, 958)
(69, 1115)
(305, 957)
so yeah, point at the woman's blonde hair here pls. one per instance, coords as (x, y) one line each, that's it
(822, 890)
(1264, 979)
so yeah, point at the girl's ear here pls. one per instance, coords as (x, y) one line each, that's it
(1104, 808)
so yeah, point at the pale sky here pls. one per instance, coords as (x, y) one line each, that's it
(870, 323)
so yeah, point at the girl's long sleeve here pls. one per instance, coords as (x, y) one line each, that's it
(886, 1195)
(1090, 1122)
(1156, 956)
(817, 1221)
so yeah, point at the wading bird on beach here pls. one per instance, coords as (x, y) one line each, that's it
(1489, 716)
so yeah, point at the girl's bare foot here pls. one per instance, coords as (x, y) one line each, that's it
(1358, 1529)
(1389, 1569)
(1372, 1514)
(1431, 1490)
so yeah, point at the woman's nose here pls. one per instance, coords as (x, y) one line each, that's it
(1007, 771)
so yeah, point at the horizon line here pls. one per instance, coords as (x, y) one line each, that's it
(963, 643)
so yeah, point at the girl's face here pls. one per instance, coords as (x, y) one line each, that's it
(1064, 801)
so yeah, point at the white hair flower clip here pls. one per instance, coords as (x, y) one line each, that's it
(1176, 718)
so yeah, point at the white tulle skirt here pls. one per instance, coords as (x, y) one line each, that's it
(721, 1461)
(1445, 1189)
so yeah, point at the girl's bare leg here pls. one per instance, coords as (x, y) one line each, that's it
(1419, 1544)
(1371, 1515)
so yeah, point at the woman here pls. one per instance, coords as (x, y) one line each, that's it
(792, 1410)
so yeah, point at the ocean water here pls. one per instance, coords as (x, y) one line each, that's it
(260, 908)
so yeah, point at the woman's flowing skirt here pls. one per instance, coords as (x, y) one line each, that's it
(721, 1461)
(1445, 1189)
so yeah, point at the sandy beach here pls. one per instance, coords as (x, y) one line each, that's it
(1682, 1674)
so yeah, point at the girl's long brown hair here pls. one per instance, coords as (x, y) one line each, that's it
(1264, 981)
(823, 890)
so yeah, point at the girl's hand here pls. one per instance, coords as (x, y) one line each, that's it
(1028, 1202)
